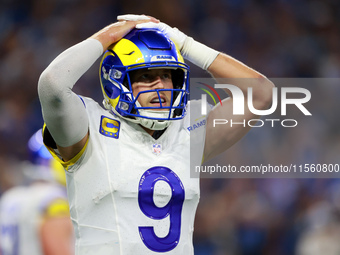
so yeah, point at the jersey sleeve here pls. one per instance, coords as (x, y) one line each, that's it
(52, 148)
(63, 110)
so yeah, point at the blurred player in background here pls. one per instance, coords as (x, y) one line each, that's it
(34, 219)
(128, 167)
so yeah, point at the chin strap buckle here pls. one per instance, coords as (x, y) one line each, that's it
(154, 124)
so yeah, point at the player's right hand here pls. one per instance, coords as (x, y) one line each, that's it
(114, 32)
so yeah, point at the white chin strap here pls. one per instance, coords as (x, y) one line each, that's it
(151, 123)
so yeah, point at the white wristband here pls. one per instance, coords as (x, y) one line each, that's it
(198, 53)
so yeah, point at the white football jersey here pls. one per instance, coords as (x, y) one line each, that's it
(130, 193)
(21, 214)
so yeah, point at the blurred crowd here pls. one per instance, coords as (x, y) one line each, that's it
(279, 38)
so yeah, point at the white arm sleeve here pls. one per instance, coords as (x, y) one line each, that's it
(63, 111)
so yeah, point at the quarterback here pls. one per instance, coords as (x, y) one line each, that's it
(128, 163)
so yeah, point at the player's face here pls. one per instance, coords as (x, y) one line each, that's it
(151, 79)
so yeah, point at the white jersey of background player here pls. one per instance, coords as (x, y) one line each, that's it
(34, 219)
(128, 179)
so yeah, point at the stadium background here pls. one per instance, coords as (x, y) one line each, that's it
(280, 38)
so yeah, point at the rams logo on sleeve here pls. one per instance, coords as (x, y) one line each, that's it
(109, 127)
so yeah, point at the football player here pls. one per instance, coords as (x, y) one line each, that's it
(128, 165)
(35, 219)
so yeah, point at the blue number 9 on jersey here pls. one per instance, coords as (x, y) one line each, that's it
(173, 208)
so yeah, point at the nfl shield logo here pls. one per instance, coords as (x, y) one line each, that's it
(156, 149)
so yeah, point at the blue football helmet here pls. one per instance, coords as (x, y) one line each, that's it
(38, 153)
(42, 165)
(139, 49)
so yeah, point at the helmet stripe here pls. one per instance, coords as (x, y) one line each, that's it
(179, 56)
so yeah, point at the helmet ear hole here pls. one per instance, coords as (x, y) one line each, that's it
(177, 78)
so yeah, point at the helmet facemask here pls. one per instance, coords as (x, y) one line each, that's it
(116, 80)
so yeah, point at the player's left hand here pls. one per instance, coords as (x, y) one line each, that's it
(172, 32)
(134, 17)
(191, 50)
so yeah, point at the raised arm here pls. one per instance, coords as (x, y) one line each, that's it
(220, 138)
(63, 111)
